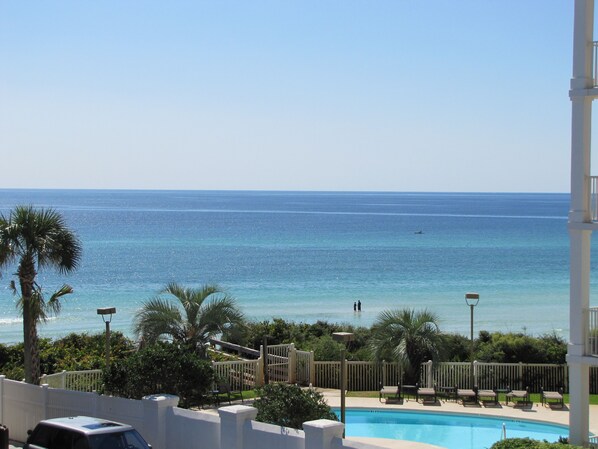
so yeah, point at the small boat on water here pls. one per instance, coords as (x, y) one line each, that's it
(419, 232)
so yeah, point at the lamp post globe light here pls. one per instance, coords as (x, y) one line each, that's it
(344, 338)
(472, 300)
(106, 313)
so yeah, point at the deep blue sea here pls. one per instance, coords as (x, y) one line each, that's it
(307, 256)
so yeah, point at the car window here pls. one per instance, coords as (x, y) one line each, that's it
(42, 435)
(106, 441)
(63, 439)
(134, 441)
(49, 437)
(118, 440)
(80, 441)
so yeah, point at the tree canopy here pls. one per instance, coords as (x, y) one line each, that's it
(35, 239)
(188, 316)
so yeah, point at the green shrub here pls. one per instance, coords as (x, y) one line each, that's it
(163, 368)
(82, 351)
(527, 443)
(514, 348)
(290, 406)
(455, 348)
(75, 352)
(305, 336)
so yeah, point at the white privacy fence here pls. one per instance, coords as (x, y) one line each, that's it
(162, 423)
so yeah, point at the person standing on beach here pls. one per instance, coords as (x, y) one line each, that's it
(359, 305)
(354, 307)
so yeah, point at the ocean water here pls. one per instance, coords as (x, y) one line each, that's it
(307, 256)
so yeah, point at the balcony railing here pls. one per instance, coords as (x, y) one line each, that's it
(592, 339)
(594, 197)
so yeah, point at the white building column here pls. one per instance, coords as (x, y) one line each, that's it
(579, 372)
(579, 404)
(579, 219)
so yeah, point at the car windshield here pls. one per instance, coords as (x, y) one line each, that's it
(118, 440)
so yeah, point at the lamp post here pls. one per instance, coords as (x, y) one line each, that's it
(106, 313)
(471, 299)
(343, 337)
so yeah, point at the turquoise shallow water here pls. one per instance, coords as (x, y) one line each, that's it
(453, 431)
(307, 256)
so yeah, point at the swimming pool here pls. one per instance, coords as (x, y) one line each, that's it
(450, 430)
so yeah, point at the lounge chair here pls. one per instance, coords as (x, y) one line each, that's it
(518, 396)
(224, 388)
(390, 392)
(487, 396)
(425, 393)
(553, 398)
(407, 391)
(447, 393)
(467, 395)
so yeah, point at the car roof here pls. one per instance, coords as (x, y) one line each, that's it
(87, 424)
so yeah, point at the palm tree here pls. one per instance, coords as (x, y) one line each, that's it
(189, 316)
(35, 239)
(410, 337)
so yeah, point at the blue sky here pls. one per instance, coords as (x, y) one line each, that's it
(403, 95)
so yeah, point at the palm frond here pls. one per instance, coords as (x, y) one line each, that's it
(158, 317)
(54, 305)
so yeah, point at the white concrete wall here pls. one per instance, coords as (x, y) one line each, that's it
(162, 423)
(188, 428)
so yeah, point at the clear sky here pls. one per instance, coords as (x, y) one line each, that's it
(401, 95)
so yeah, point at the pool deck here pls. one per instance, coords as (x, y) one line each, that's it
(534, 412)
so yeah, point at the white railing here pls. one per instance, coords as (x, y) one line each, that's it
(241, 375)
(278, 361)
(327, 374)
(89, 381)
(592, 338)
(488, 376)
(361, 376)
(304, 368)
(280, 350)
(446, 375)
(367, 376)
(594, 197)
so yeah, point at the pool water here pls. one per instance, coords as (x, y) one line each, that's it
(450, 430)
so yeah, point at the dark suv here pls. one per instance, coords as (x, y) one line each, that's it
(84, 432)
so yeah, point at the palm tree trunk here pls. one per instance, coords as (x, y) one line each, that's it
(26, 273)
